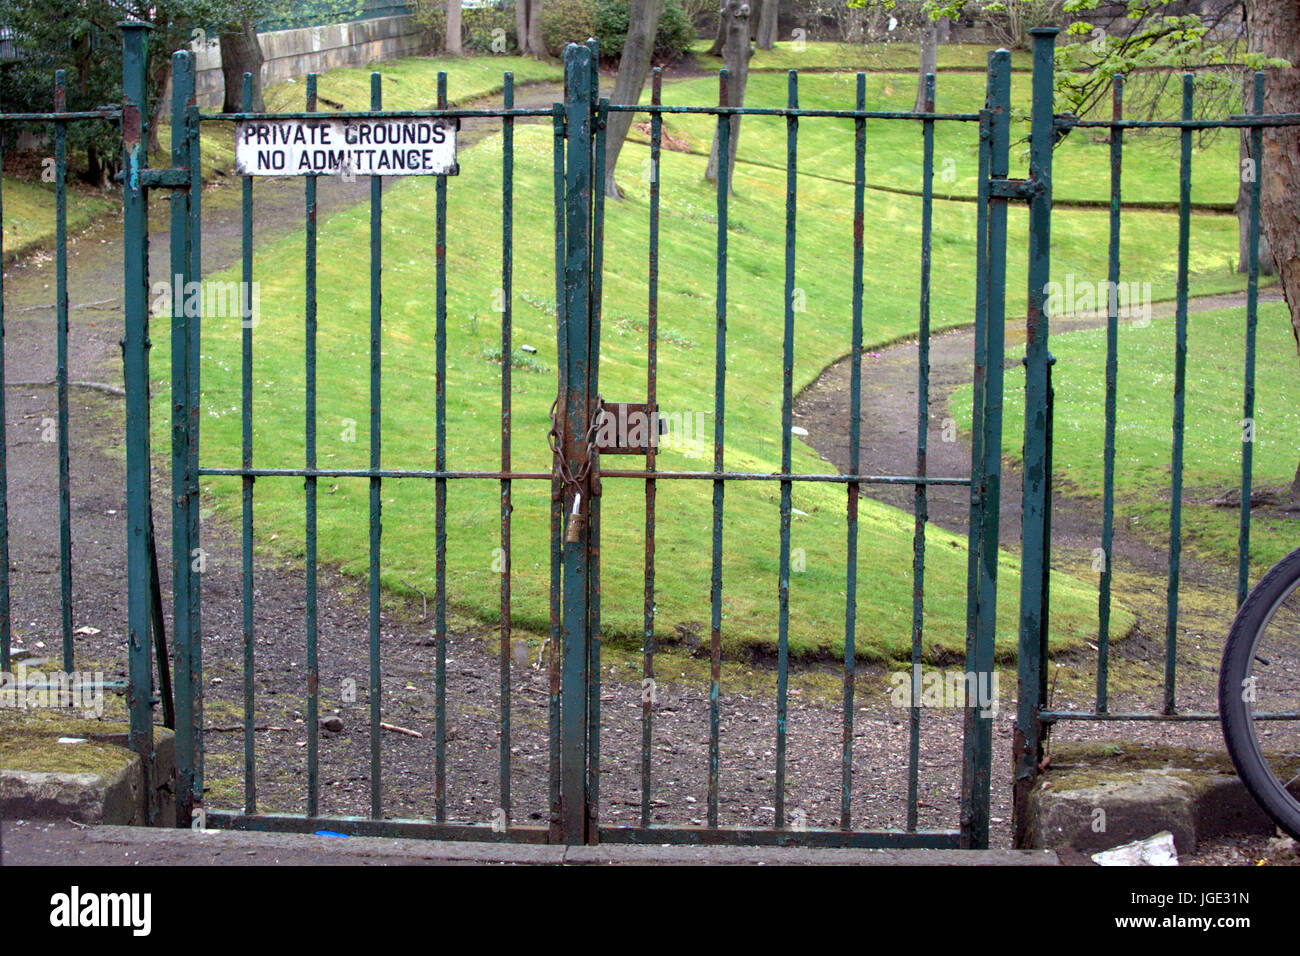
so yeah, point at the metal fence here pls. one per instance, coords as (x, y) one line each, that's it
(54, 170)
(1035, 716)
(577, 163)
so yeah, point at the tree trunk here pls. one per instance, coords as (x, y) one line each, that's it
(521, 27)
(720, 38)
(451, 43)
(633, 65)
(1273, 29)
(535, 45)
(240, 54)
(857, 25)
(1242, 207)
(929, 59)
(767, 21)
(736, 54)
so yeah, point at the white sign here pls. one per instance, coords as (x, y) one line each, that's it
(358, 147)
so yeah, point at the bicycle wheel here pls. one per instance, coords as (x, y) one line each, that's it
(1259, 685)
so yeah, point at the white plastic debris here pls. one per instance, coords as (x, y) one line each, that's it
(72, 740)
(1157, 850)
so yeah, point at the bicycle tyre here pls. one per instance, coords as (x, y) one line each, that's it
(1251, 621)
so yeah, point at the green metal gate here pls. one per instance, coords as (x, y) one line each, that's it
(577, 474)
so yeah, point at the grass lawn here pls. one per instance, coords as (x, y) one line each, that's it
(1144, 434)
(688, 238)
(1081, 163)
(29, 212)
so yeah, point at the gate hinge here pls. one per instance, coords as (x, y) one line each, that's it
(1062, 123)
(161, 178)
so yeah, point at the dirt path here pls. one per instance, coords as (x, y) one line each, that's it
(888, 446)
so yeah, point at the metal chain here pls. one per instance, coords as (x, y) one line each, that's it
(567, 476)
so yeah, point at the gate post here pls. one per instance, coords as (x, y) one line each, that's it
(574, 449)
(135, 374)
(1035, 535)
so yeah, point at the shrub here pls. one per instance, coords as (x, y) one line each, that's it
(567, 21)
(573, 21)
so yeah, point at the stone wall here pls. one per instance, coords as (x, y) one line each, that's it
(291, 54)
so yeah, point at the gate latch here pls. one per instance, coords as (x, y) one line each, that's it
(629, 428)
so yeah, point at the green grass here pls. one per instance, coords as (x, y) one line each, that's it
(857, 56)
(1081, 163)
(1143, 445)
(29, 212)
(685, 385)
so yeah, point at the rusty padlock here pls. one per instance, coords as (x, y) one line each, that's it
(577, 520)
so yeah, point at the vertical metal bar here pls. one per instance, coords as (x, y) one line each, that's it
(787, 407)
(440, 486)
(246, 263)
(507, 350)
(557, 488)
(135, 357)
(719, 430)
(1180, 398)
(1035, 547)
(1112, 383)
(593, 402)
(188, 745)
(376, 502)
(309, 431)
(599, 109)
(1252, 316)
(855, 457)
(61, 374)
(973, 759)
(577, 285)
(920, 503)
(6, 629)
(979, 741)
(652, 399)
(194, 271)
